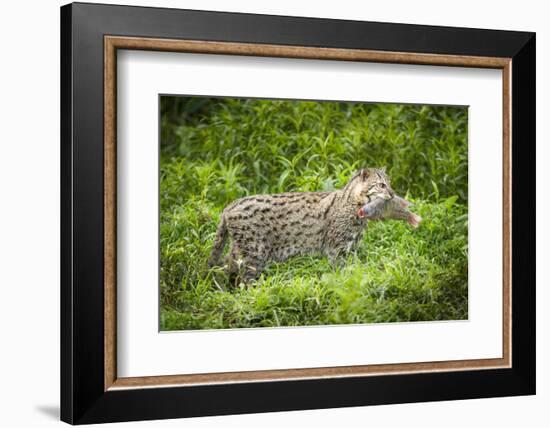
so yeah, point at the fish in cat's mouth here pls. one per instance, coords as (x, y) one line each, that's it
(395, 208)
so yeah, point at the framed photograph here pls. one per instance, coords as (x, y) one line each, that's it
(265, 213)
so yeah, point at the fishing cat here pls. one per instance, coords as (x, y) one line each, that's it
(267, 228)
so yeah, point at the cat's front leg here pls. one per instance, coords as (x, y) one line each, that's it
(335, 258)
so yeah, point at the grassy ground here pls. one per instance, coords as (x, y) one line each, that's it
(214, 151)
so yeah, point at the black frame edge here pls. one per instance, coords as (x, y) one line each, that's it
(66, 315)
(298, 30)
(524, 219)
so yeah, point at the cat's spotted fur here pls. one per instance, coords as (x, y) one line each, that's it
(266, 228)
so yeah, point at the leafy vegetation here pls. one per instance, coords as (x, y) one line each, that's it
(216, 150)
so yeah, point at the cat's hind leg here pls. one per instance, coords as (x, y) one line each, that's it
(243, 264)
(254, 261)
(233, 262)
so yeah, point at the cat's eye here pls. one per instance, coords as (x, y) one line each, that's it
(383, 185)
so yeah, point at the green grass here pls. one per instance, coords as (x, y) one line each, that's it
(216, 150)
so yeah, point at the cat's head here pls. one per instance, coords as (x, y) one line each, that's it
(369, 184)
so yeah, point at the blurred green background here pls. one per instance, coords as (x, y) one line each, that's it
(215, 150)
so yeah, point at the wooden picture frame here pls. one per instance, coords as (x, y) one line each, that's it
(91, 390)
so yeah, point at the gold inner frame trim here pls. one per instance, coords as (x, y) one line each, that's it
(113, 43)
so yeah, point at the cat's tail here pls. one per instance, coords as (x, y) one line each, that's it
(219, 243)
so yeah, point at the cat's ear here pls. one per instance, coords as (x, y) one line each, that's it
(364, 174)
(383, 169)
